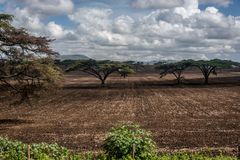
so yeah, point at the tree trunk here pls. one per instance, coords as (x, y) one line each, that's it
(178, 77)
(206, 74)
(206, 79)
(178, 80)
(103, 83)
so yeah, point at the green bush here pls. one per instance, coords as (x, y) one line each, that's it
(83, 156)
(196, 156)
(128, 142)
(15, 150)
(118, 146)
(51, 150)
(12, 150)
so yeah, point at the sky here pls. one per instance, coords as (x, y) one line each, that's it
(139, 30)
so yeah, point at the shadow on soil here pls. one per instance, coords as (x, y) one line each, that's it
(13, 121)
(194, 83)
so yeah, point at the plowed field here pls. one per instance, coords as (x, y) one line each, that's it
(78, 115)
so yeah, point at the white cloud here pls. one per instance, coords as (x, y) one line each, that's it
(224, 3)
(58, 32)
(52, 7)
(55, 30)
(163, 4)
(157, 3)
(32, 15)
(181, 31)
(91, 19)
(23, 18)
(212, 10)
(123, 24)
(34, 23)
(191, 4)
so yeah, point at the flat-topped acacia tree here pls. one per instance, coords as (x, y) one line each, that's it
(207, 68)
(26, 61)
(175, 69)
(101, 69)
(210, 67)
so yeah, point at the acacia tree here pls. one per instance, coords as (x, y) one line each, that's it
(175, 69)
(207, 68)
(101, 69)
(210, 67)
(125, 70)
(26, 61)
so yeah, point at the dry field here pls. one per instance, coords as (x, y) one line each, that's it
(78, 115)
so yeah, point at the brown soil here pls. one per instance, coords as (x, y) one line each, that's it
(78, 115)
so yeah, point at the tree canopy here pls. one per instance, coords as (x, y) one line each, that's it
(210, 67)
(206, 67)
(101, 69)
(173, 68)
(125, 70)
(26, 61)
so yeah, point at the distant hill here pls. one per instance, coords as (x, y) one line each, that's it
(72, 57)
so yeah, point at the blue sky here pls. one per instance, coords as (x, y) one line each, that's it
(233, 9)
(141, 30)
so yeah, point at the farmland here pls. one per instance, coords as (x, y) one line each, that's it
(79, 114)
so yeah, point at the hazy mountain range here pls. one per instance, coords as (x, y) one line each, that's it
(72, 57)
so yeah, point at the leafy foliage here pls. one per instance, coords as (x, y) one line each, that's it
(5, 20)
(16, 150)
(12, 150)
(194, 156)
(206, 67)
(174, 68)
(125, 70)
(221, 64)
(26, 61)
(129, 142)
(210, 67)
(100, 69)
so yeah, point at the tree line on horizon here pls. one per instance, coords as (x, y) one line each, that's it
(102, 69)
(28, 65)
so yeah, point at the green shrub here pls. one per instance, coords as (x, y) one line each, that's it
(83, 156)
(119, 141)
(128, 142)
(51, 150)
(196, 156)
(15, 150)
(12, 150)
